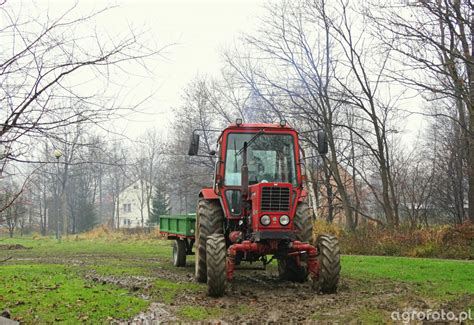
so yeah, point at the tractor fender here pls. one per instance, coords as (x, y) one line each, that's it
(208, 194)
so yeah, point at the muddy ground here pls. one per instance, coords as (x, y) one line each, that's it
(255, 296)
(262, 297)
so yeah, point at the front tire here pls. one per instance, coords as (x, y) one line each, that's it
(179, 253)
(288, 269)
(216, 265)
(209, 221)
(329, 263)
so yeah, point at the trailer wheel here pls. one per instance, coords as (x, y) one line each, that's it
(303, 223)
(216, 265)
(329, 263)
(179, 253)
(209, 220)
(289, 270)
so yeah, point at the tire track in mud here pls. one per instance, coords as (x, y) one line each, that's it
(267, 299)
(256, 297)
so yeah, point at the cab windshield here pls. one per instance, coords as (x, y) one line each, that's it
(270, 158)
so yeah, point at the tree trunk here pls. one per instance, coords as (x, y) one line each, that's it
(346, 204)
(44, 226)
(470, 167)
(470, 105)
(100, 197)
(118, 212)
(329, 194)
(354, 183)
(312, 185)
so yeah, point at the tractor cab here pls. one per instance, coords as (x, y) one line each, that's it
(271, 167)
(258, 177)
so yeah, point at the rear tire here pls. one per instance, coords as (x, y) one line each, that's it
(329, 263)
(304, 223)
(179, 253)
(216, 265)
(288, 270)
(209, 221)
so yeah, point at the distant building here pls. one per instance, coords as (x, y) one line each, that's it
(133, 206)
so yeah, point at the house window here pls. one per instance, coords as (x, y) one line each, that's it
(127, 207)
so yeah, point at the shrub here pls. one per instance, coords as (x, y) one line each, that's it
(443, 241)
(323, 227)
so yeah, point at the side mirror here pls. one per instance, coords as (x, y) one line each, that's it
(194, 145)
(322, 143)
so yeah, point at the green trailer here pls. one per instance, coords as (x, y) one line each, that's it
(181, 229)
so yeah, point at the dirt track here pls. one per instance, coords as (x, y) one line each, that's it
(254, 296)
(268, 299)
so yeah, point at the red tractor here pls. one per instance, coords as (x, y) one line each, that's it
(256, 207)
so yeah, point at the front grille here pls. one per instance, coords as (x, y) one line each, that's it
(275, 199)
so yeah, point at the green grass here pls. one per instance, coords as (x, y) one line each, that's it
(51, 293)
(199, 313)
(119, 269)
(166, 291)
(47, 246)
(433, 277)
(53, 287)
(371, 316)
(46, 283)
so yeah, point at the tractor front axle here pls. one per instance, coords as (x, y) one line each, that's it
(272, 247)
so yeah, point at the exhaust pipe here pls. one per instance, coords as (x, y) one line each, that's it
(244, 170)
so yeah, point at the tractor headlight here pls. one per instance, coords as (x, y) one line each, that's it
(265, 220)
(284, 220)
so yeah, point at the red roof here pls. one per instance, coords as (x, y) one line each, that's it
(259, 125)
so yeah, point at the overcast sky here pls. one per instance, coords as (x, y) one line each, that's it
(199, 30)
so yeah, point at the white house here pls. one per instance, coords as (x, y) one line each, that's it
(133, 210)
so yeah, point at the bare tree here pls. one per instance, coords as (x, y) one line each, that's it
(435, 40)
(301, 90)
(15, 213)
(327, 78)
(149, 162)
(40, 58)
(185, 175)
(118, 179)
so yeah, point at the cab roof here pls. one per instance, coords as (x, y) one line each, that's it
(258, 126)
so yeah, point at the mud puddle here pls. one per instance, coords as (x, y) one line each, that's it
(12, 247)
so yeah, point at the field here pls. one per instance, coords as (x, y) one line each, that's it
(104, 280)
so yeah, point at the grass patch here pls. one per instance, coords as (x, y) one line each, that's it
(51, 293)
(432, 277)
(57, 291)
(371, 316)
(199, 313)
(166, 291)
(119, 270)
(47, 246)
